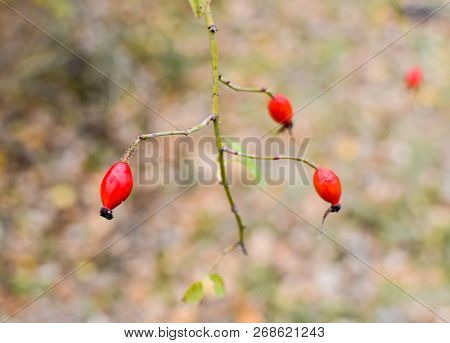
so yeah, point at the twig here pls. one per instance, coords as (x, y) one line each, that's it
(244, 89)
(228, 250)
(212, 28)
(268, 158)
(130, 151)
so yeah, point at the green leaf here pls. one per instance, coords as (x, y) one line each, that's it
(219, 284)
(234, 145)
(249, 164)
(198, 7)
(252, 167)
(194, 294)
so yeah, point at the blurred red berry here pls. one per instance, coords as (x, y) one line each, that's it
(115, 188)
(413, 77)
(280, 110)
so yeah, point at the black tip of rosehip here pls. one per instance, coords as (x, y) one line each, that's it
(331, 209)
(106, 213)
(335, 208)
(287, 126)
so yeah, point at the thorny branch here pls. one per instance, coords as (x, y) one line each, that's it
(245, 89)
(130, 151)
(269, 158)
(212, 28)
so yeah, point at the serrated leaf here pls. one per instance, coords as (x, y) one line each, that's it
(219, 284)
(194, 294)
(198, 7)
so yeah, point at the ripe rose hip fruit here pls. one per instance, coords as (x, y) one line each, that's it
(413, 77)
(115, 188)
(280, 110)
(328, 186)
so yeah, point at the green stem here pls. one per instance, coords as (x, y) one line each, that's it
(268, 158)
(244, 89)
(129, 153)
(215, 111)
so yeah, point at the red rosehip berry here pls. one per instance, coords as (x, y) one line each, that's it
(328, 186)
(115, 188)
(413, 77)
(280, 110)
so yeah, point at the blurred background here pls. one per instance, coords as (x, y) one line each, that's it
(63, 124)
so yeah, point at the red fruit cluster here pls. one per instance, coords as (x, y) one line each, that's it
(115, 188)
(280, 110)
(117, 183)
(326, 182)
(413, 77)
